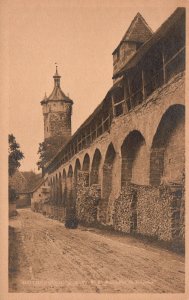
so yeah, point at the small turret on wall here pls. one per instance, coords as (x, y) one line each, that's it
(136, 35)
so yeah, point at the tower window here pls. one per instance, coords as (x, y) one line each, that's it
(47, 129)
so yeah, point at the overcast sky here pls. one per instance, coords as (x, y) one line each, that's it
(80, 36)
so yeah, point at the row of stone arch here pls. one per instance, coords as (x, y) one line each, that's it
(138, 164)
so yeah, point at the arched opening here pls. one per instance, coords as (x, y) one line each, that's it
(107, 171)
(85, 169)
(167, 162)
(57, 189)
(76, 170)
(69, 185)
(54, 191)
(53, 202)
(70, 178)
(64, 188)
(76, 174)
(51, 190)
(167, 159)
(134, 159)
(95, 178)
(60, 190)
(55, 209)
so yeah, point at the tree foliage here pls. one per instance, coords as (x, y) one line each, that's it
(15, 155)
(48, 149)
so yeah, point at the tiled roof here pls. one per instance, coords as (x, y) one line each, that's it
(159, 34)
(138, 31)
(41, 181)
(57, 94)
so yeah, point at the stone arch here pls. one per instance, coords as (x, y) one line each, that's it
(135, 159)
(70, 171)
(86, 162)
(60, 189)
(51, 189)
(69, 184)
(64, 188)
(54, 189)
(76, 169)
(95, 178)
(85, 169)
(107, 171)
(64, 174)
(168, 147)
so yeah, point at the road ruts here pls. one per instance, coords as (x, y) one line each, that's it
(55, 259)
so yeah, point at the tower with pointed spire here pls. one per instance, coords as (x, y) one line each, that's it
(137, 34)
(57, 111)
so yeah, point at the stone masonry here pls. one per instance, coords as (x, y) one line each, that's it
(125, 165)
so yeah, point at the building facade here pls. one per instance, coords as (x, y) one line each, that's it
(40, 196)
(125, 165)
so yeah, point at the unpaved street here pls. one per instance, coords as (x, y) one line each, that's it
(52, 258)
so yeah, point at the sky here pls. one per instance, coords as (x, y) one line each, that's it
(80, 36)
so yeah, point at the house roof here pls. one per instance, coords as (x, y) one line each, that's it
(138, 31)
(38, 185)
(160, 33)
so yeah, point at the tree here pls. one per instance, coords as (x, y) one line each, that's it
(15, 155)
(48, 149)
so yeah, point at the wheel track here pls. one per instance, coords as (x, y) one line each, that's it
(98, 257)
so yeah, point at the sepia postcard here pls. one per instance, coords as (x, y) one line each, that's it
(93, 149)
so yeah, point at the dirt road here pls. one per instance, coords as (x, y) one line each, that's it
(52, 258)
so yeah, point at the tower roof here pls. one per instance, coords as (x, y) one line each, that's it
(56, 73)
(57, 93)
(138, 31)
(161, 32)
